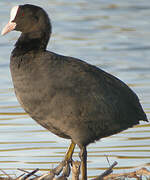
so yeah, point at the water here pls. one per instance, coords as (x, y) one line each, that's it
(115, 36)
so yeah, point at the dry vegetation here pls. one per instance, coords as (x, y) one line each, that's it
(74, 166)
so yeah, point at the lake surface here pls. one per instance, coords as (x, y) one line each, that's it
(113, 35)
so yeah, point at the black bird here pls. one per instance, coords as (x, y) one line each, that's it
(67, 96)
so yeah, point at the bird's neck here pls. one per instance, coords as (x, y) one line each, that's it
(32, 41)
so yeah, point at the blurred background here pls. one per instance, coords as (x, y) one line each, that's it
(113, 35)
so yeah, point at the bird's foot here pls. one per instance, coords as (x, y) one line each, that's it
(75, 170)
(63, 167)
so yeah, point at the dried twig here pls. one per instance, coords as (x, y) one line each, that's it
(107, 172)
(5, 174)
(47, 176)
(135, 174)
(107, 160)
(20, 177)
(30, 174)
(26, 171)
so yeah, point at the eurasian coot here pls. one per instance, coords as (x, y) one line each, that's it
(67, 96)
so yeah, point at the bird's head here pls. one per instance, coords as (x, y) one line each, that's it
(27, 18)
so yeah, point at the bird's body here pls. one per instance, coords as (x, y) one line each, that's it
(69, 97)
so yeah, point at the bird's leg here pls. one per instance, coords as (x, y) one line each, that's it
(67, 158)
(70, 151)
(83, 157)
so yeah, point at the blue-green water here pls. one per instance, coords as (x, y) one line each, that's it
(115, 36)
